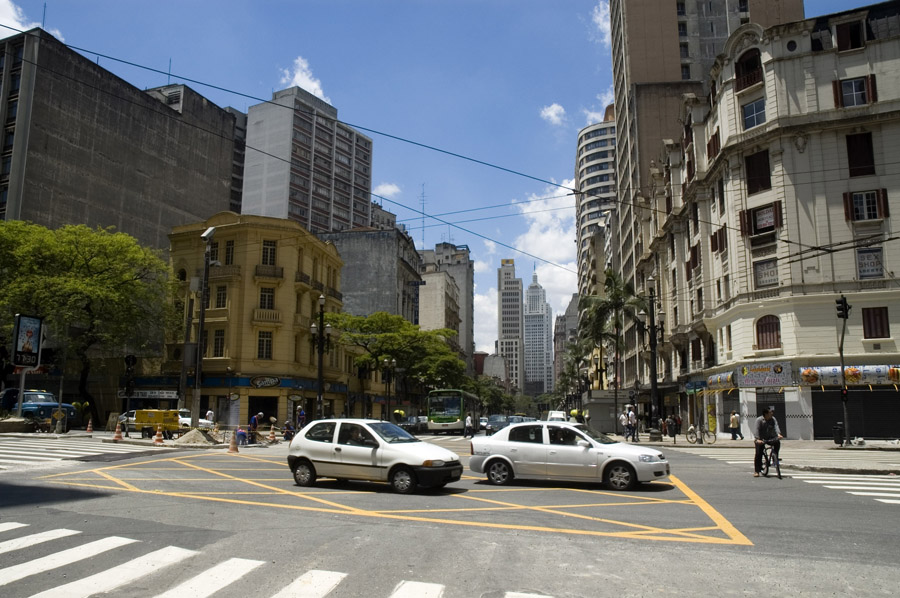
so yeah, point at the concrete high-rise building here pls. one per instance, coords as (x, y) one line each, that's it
(595, 181)
(511, 322)
(661, 51)
(82, 146)
(439, 304)
(456, 261)
(309, 168)
(240, 147)
(565, 330)
(538, 319)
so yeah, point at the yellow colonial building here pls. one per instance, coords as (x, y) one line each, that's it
(268, 279)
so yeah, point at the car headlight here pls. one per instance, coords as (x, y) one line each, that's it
(649, 458)
(433, 463)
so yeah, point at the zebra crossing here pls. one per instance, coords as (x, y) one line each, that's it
(314, 583)
(30, 450)
(795, 456)
(883, 488)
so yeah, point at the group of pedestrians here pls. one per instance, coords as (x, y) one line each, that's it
(629, 422)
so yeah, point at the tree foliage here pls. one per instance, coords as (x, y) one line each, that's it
(97, 290)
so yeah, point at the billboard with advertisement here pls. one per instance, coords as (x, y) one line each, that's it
(27, 341)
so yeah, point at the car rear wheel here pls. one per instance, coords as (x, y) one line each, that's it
(499, 473)
(403, 480)
(305, 473)
(621, 476)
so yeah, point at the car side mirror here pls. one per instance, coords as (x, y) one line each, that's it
(584, 443)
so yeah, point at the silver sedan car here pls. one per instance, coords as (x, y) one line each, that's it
(548, 450)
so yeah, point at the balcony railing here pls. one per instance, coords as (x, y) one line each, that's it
(747, 79)
(336, 294)
(221, 271)
(269, 271)
(266, 316)
(301, 277)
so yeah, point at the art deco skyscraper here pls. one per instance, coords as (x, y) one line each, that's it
(510, 322)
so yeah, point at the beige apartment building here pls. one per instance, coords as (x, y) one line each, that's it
(266, 278)
(775, 201)
(662, 50)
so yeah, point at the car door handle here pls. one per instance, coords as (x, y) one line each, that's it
(337, 449)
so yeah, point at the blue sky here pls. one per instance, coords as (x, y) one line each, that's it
(505, 82)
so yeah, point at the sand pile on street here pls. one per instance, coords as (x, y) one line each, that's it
(193, 437)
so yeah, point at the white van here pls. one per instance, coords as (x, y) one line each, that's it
(556, 416)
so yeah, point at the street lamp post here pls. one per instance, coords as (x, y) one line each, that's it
(321, 336)
(204, 297)
(655, 405)
(388, 376)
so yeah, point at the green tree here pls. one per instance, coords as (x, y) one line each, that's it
(98, 291)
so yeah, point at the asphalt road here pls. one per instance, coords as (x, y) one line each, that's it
(713, 529)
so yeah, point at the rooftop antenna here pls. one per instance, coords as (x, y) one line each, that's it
(422, 204)
(44, 17)
(169, 77)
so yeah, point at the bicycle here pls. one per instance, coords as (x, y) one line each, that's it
(770, 457)
(706, 436)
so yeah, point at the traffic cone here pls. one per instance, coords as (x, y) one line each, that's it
(232, 448)
(90, 428)
(158, 439)
(271, 437)
(118, 435)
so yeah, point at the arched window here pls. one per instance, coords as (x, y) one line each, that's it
(768, 333)
(747, 69)
(182, 275)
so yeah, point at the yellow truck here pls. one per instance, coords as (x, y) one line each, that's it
(148, 420)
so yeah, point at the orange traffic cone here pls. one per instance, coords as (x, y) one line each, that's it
(271, 437)
(90, 428)
(118, 435)
(158, 439)
(232, 448)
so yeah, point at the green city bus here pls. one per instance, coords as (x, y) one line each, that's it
(447, 409)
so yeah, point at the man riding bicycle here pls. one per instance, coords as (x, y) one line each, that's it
(765, 430)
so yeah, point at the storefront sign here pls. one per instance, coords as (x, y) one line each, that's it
(765, 374)
(149, 394)
(719, 381)
(854, 375)
(264, 381)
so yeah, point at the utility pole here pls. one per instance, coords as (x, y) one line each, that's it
(843, 312)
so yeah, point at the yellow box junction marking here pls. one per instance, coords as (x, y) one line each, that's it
(577, 518)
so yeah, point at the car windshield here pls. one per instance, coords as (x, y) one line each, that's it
(39, 397)
(392, 433)
(594, 434)
(497, 418)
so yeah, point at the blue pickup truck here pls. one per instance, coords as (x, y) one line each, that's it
(39, 406)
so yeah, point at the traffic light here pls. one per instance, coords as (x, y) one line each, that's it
(843, 308)
(844, 394)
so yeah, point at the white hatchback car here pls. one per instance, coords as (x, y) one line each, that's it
(563, 451)
(373, 450)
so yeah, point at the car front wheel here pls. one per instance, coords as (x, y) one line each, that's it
(305, 474)
(621, 476)
(499, 473)
(403, 480)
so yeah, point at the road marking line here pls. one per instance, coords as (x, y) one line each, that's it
(521, 595)
(890, 502)
(887, 494)
(417, 589)
(312, 584)
(118, 576)
(214, 579)
(11, 525)
(61, 559)
(33, 539)
(865, 487)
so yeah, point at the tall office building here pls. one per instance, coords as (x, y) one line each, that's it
(82, 146)
(456, 261)
(309, 167)
(660, 52)
(538, 318)
(510, 322)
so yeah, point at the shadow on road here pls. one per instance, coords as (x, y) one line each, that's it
(16, 495)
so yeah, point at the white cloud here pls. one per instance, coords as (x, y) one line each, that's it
(481, 267)
(554, 114)
(606, 98)
(486, 320)
(13, 16)
(600, 19)
(301, 76)
(490, 246)
(389, 190)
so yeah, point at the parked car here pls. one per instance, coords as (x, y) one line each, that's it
(546, 450)
(373, 450)
(40, 406)
(415, 424)
(184, 420)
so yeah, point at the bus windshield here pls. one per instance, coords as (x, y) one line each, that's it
(445, 405)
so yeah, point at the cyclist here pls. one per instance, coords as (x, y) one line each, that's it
(765, 430)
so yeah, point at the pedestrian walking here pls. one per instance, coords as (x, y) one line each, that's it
(467, 431)
(301, 417)
(633, 423)
(210, 415)
(623, 421)
(735, 424)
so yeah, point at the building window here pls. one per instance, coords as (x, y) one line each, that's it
(680, 9)
(264, 345)
(214, 251)
(850, 36)
(754, 113)
(268, 253)
(758, 176)
(860, 154)
(866, 205)
(682, 29)
(229, 253)
(685, 53)
(869, 262)
(267, 298)
(765, 273)
(685, 72)
(875, 322)
(219, 343)
(768, 333)
(747, 70)
(855, 92)
(220, 296)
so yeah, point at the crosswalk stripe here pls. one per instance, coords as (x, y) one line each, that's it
(214, 579)
(34, 539)
(885, 494)
(63, 558)
(418, 589)
(120, 575)
(4, 527)
(866, 487)
(890, 502)
(521, 595)
(312, 584)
